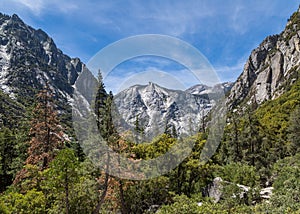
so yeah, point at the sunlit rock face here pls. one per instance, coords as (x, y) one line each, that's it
(270, 69)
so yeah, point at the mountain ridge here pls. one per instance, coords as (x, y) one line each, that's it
(30, 60)
(30, 57)
(268, 72)
(158, 108)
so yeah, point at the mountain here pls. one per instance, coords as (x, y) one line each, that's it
(29, 59)
(211, 91)
(157, 108)
(270, 69)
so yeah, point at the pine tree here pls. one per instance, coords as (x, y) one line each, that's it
(100, 99)
(6, 157)
(61, 177)
(294, 130)
(103, 112)
(203, 122)
(139, 130)
(110, 187)
(174, 132)
(232, 136)
(251, 139)
(47, 135)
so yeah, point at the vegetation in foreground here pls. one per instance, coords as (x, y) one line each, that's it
(260, 148)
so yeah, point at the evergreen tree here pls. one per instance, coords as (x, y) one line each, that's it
(294, 130)
(47, 135)
(13, 148)
(137, 126)
(235, 139)
(174, 132)
(6, 157)
(61, 178)
(203, 122)
(250, 137)
(104, 108)
(100, 99)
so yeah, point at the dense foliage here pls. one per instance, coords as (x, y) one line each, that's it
(260, 148)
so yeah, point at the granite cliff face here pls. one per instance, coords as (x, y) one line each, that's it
(270, 68)
(29, 59)
(158, 108)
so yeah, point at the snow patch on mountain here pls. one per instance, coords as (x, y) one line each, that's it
(157, 109)
(201, 89)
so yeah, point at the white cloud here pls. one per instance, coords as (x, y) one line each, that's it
(39, 7)
(36, 6)
(230, 73)
(176, 18)
(225, 69)
(173, 79)
(159, 77)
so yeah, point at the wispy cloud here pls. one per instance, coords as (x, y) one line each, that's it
(230, 73)
(172, 79)
(40, 7)
(36, 6)
(141, 70)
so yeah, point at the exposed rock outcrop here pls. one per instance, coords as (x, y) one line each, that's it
(157, 108)
(29, 58)
(270, 68)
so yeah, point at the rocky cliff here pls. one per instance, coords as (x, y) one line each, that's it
(269, 70)
(29, 58)
(158, 109)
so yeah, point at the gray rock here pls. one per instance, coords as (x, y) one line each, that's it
(158, 108)
(215, 190)
(29, 59)
(266, 193)
(269, 69)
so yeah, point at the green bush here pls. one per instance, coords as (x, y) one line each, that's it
(32, 202)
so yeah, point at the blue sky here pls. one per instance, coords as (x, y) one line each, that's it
(224, 31)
